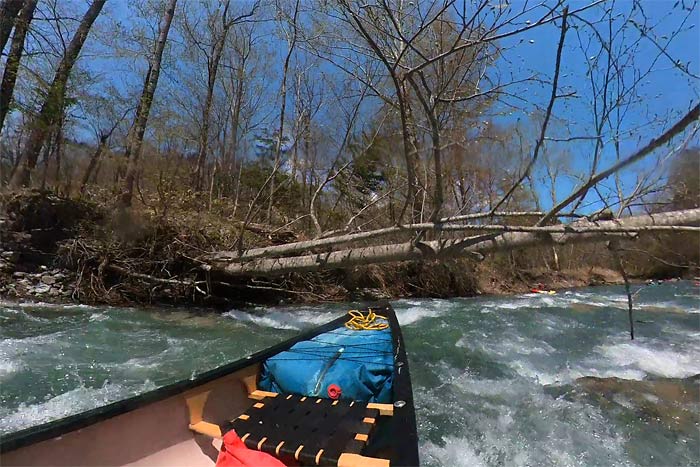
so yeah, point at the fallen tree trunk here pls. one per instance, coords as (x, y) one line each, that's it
(443, 249)
(297, 247)
(305, 245)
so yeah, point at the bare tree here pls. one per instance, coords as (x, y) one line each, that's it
(217, 36)
(138, 128)
(53, 106)
(8, 11)
(102, 145)
(9, 76)
(292, 38)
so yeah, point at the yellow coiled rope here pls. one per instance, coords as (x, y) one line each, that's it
(365, 322)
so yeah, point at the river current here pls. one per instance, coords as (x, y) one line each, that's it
(520, 380)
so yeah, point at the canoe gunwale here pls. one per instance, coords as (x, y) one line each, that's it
(80, 420)
(404, 429)
(402, 426)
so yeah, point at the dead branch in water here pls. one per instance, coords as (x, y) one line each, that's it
(614, 247)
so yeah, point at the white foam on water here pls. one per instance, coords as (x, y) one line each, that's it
(454, 452)
(501, 306)
(7, 368)
(138, 367)
(472, 386)
(409, 312)
(510, 346)
(661, 307)
(72, 402)
(527, 302)
(594, 301)
(293, 319)
(22, 313)
(408, 316)
(641, 302)
(659, 362)
(569, 375)
(11, 348)
(409, 302)
(619, 358)
(96, 317)
(541, 363)
(511, 422)
(57, 306)
(138, 364)
(695, 294)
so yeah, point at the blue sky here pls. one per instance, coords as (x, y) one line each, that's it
(665, 94)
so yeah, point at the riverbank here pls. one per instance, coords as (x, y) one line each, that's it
(63, 250)
(57, 285)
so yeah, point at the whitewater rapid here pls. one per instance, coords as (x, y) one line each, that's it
(497, 381)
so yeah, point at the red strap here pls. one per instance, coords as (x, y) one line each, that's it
(234, 453)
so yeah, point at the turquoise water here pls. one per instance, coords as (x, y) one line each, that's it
(497, 381)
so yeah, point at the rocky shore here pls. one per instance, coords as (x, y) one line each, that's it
(51, 284)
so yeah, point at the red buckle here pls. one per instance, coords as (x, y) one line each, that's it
(334, 391)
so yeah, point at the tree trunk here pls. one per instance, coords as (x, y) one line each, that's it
(410, 148)
(283, 107)
(204, 132)
(230, 150)
(138, 128)
(212, 70)
(93, 162)
(235, 120)
(53, 105)
(57, 150)
(9, 76)
(411, 251)
(46, 156)
(17, 151)
(429, 108)
(8, 12)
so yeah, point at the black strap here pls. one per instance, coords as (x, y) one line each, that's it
(305, 421)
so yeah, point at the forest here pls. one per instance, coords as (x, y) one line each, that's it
(309, 150)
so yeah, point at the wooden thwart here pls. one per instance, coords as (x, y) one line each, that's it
(259, 395)
(356, 460)
(384, 409)
(195, 405)
(207, 429)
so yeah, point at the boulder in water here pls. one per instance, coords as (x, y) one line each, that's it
(671, 402)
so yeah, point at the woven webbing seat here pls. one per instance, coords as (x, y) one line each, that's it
(310, 430)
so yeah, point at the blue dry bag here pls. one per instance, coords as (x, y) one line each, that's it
(360, 363)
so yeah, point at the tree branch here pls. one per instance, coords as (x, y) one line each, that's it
(689, 118)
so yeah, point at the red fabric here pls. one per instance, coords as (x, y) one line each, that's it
(234, 453)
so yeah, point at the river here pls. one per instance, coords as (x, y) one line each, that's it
(497, 380)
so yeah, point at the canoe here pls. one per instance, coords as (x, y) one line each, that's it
(326, 418)
(543, 292)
